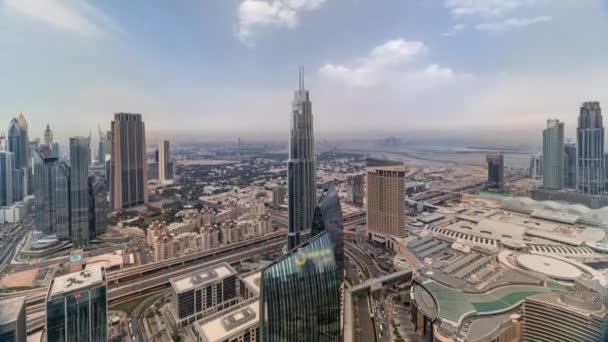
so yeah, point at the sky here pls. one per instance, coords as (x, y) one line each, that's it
(227, 68)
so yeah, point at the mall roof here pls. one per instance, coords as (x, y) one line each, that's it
(232, 323)
(77, 281)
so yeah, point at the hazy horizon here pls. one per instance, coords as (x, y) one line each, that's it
(223, 69)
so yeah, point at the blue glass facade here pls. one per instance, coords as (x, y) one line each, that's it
(299, 295)
(328, 217)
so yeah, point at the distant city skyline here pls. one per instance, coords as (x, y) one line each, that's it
(222, 69)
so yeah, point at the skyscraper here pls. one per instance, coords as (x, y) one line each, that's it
(44, 192)
(496, 172)
(48, 135)
(385, 206)
(98, 209)
(356, 190)
(76, 307)
(7, 162)
(62, 201)
(300, 295)
(103, 147)
(553, 155)
(570, 165)
(128, 162)
(165, 165)
(536, 166)
(278, 196)
(590, 150)
(328, 217)
(24, 144)
(301, 170)
(80, 157)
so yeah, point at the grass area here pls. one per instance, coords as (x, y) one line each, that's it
(16, 289)
(130, 305)
(7, 269)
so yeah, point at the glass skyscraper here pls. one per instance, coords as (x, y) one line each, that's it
(301, 169)
(7, 160)
(76, 307)
(45, 170)
(62, 201)
(590, 150)
(328, 217)
(80, 159)
(553, 155)
(300, 295)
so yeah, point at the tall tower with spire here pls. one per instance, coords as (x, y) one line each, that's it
(48, 136)
(301, 168)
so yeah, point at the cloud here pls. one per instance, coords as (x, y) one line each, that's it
(454, 30)
(73, 16)
(388, 63)
(280, 13)
(485, 8)
(511, 24)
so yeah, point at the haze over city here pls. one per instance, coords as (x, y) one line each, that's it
(219, 69)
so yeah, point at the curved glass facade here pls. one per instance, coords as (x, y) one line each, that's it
(328, 217)
(299, 295)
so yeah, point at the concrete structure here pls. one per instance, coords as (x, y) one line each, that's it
(496, 172)
(590, 150)
(385, 204)
(553, 155)
(199, 294)
(165, 163)
(45, 177)
(301, 170)
(278, 196)
(241, 323)
(7, 162)
(63, 221)
(12, 320)
(80, 159)
(356, 190)
(574, 316)
(128, 166)
(570, 166)
(76, 307)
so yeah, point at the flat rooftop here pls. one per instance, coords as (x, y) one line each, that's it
(77, 281)
(201, 278)
(9, 309)
(253, 281)
(231, 323)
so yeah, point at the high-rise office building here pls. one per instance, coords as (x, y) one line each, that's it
(18, 142)
(128, 162)
(328, 217)
(165, 162)
(45, 177)
(7, 162)
(301, 170)
(496, 172)
(76, 307)
(103, 147)
(12, 320)
(590, 150)
(570, 166)
(385, 205)
(80, 157)
(356, 190)
(98, 209)
(300, 295)
(62, 201)
(553, 155)
(536, 166)
(278, 196)
(48, 135)
(24, 145)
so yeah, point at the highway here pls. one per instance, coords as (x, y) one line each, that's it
(8, 252)
(157, 282)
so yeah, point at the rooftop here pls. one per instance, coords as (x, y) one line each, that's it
(201, 278)
(225, 326)
(76, 281)
(9, 309)
(253, 281)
